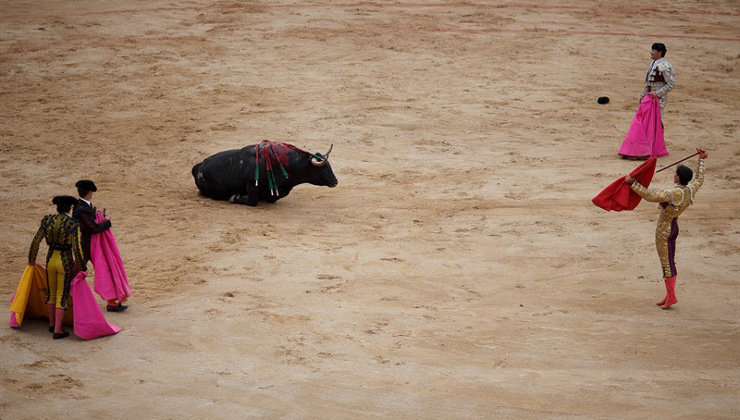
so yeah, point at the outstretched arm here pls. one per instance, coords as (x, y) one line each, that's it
(651, 194)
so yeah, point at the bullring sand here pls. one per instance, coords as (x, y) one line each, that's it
(459, 269)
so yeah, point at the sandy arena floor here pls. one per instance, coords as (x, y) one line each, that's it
(459, 270)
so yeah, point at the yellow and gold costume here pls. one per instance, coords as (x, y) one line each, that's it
(674, 201)
(62, 234)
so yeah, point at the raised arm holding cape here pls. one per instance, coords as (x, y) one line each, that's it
(673, 202)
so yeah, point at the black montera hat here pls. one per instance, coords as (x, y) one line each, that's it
(67, 200)
(603, 100)
(86, 184)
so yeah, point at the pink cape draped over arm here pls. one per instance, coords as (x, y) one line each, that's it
(110, 281)
(645, 135)
(89, 321)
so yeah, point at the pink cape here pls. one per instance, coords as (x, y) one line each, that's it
(110, 281)
(645, 136)
(89, 321)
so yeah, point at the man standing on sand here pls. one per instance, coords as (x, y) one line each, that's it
(660, 78)
(84, 213)
(645, 136)
(673, 202)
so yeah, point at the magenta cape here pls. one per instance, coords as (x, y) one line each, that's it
(619, 196)
(85, 315)
(110, 281)
(89, 321)
(645, 136)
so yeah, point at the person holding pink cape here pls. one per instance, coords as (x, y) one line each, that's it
(63, 260)
(644, 138)
(99, 246)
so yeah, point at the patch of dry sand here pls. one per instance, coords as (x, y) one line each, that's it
(459, 269)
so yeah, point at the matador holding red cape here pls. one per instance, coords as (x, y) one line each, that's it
(673, 202)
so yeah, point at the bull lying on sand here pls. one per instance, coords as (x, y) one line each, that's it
(263, 172)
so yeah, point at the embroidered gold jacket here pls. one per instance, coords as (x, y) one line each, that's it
(675, 200)
(62, 233)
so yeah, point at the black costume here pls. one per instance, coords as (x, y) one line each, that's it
(84, 214)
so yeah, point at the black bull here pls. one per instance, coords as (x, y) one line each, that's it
(230, 175)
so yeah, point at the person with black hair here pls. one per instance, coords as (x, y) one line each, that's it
(63, 261)
(673, 202)
(84, 213)
(660, 77)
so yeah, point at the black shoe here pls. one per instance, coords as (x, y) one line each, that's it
(62, 334)
(51, 329)
(118, 308)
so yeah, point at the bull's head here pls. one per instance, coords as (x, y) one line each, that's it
(319, 159)
(322, 173)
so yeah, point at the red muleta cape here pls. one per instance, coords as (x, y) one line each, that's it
(619, 196)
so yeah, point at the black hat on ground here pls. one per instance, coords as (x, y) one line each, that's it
(603, 100)
(64, 200)
(86, 184)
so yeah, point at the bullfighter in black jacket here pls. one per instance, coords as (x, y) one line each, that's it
(84, 213)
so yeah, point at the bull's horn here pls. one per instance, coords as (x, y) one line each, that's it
(316, 162)
(319, 159)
